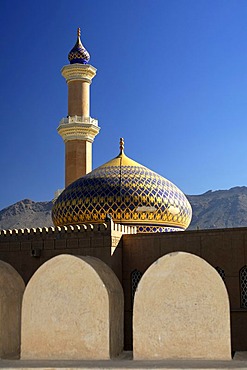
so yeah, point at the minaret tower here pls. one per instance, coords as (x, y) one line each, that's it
(78, 130)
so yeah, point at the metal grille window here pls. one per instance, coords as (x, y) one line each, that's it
(243, 286)
(135, 278)
(221, 272)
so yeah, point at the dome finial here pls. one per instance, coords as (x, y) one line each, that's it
(78, 54)
(121, 145)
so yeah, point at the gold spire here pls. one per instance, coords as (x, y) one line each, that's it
(121, 145)
(78, 32)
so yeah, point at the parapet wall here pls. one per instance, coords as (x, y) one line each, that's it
(123, 229)
(27, 249)
(127, 252)
(224, 249)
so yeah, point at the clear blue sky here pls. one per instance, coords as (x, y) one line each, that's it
(171, 80)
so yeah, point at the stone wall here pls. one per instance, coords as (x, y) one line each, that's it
(72, 309)
(27, 249)
(181, 311)
(11, 291)
(226, 249)
(223, 248)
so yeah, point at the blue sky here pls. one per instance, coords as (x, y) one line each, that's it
(171, 80)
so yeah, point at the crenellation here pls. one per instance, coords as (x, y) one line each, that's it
(33, 231)
(51, 230)
(83, 227)
(9, 232)
(64, 230)
(89, 227)
(59, 230)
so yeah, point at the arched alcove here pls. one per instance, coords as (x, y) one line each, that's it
(181, 311)
(72, 309)
(11, 291)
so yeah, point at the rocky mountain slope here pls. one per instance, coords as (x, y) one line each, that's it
(213, 209)
(26, 214)
(219, 209)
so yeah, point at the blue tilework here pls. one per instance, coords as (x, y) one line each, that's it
(132, 195)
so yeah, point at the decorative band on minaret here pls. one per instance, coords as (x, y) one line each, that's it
(78, 129)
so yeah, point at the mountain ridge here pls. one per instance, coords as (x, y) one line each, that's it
(212, 209)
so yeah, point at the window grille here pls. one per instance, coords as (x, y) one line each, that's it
(221, 272)
(243, 286)
(135, 278)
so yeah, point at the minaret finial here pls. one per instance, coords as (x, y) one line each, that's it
(78, 54)
(121, 145)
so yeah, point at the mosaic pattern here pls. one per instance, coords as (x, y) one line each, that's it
(79, 54)
(157, 229)
(243, 286)
(130, 193)
(135, 278)
(221, 272)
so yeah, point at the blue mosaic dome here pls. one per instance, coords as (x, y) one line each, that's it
(129, 192)
(79, 54)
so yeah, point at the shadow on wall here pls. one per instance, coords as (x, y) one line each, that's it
(12, 288)
(74, 305)
(184, 301)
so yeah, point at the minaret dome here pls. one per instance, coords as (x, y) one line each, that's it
(79, 54)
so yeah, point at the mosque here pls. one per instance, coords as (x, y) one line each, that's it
(135, 221)
(128, 192)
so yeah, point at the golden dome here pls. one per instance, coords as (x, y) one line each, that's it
(127, 191)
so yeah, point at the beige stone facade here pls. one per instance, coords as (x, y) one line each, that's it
(130, 255)
(72, 309)
(11, 291)
(78, 130)
(181, 311)
(78, 159)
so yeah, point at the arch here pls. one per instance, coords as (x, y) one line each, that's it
(11, 291)
(243, 286)
(181, 311)
(72, 309)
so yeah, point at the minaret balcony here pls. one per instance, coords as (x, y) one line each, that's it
(78, 128)
(79, 119)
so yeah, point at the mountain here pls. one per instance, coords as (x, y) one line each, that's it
(219, 209)
(211, 210)
(26, 214)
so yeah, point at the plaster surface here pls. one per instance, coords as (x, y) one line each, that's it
(72, 309)
(181, 311)
(11, 291)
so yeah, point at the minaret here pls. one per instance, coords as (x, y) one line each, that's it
(78, 130)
